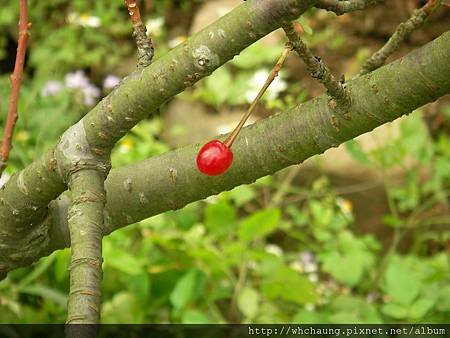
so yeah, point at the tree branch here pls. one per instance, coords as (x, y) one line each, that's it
(85, 222)
(341, 7)
(85, 174)
(16, 78)
(262, 149)
(143, 42)
(402, 31)
(317, 68)
(24, 199)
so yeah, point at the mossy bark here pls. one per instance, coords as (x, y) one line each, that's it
(172, 180)
(24, 199)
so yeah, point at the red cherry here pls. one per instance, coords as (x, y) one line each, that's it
(214, 158)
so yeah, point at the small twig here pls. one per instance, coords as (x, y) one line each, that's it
(342, 7)
(316, 67)
(16, 78)
(272, 75)
(143, 42)
(402, 31)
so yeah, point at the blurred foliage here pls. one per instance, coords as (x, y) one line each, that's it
(246, 255)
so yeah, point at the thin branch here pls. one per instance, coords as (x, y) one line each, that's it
(316, 67)
(16, 78)
(143, 42)
(342, 7)
(402, 31)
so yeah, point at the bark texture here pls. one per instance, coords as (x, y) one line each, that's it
(172, 180)
(24, 199)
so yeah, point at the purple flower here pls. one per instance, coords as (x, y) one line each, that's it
(308, 261)
(110, 82)
(50, 88)
(77, 79)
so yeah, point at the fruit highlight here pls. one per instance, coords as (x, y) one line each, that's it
(214, 158)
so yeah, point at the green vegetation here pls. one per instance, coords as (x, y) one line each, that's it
(277, 251)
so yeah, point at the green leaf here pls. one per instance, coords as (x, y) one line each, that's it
(220, 218)
(248, 302)
(393, 221)
(444, 299)
(61, 263)
(186, 288)
(310, 317)
(242, 194)
(395, 310)
(257, 55)
(289, 285)
(122, 260)
(41, 267)
(400, 283)
(187, 217)
(123, 308)
(414, 136)
(259, 224)
(195, 317)
(350, 262)
(11, 305)
(299, 217)
(347, 269)
(420, 308)
(241, 85)
(217, 87)
(321, 213)
(356, 152)
(139, 285)
(47, 293)
(352, 309)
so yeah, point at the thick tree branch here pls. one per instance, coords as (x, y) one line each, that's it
(401, 33)
(341, 7)
(184, 65)
(85, 175)
(263, 148)
(16, 78)
(24, 199)
(85, 221)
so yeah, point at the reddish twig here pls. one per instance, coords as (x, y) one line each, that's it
(143, 42)
(430, 6)
(402, 31)
(133, 10)
(16, 78)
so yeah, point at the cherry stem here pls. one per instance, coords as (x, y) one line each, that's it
(272, 75)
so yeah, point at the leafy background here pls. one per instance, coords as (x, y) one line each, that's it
(288, 248)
